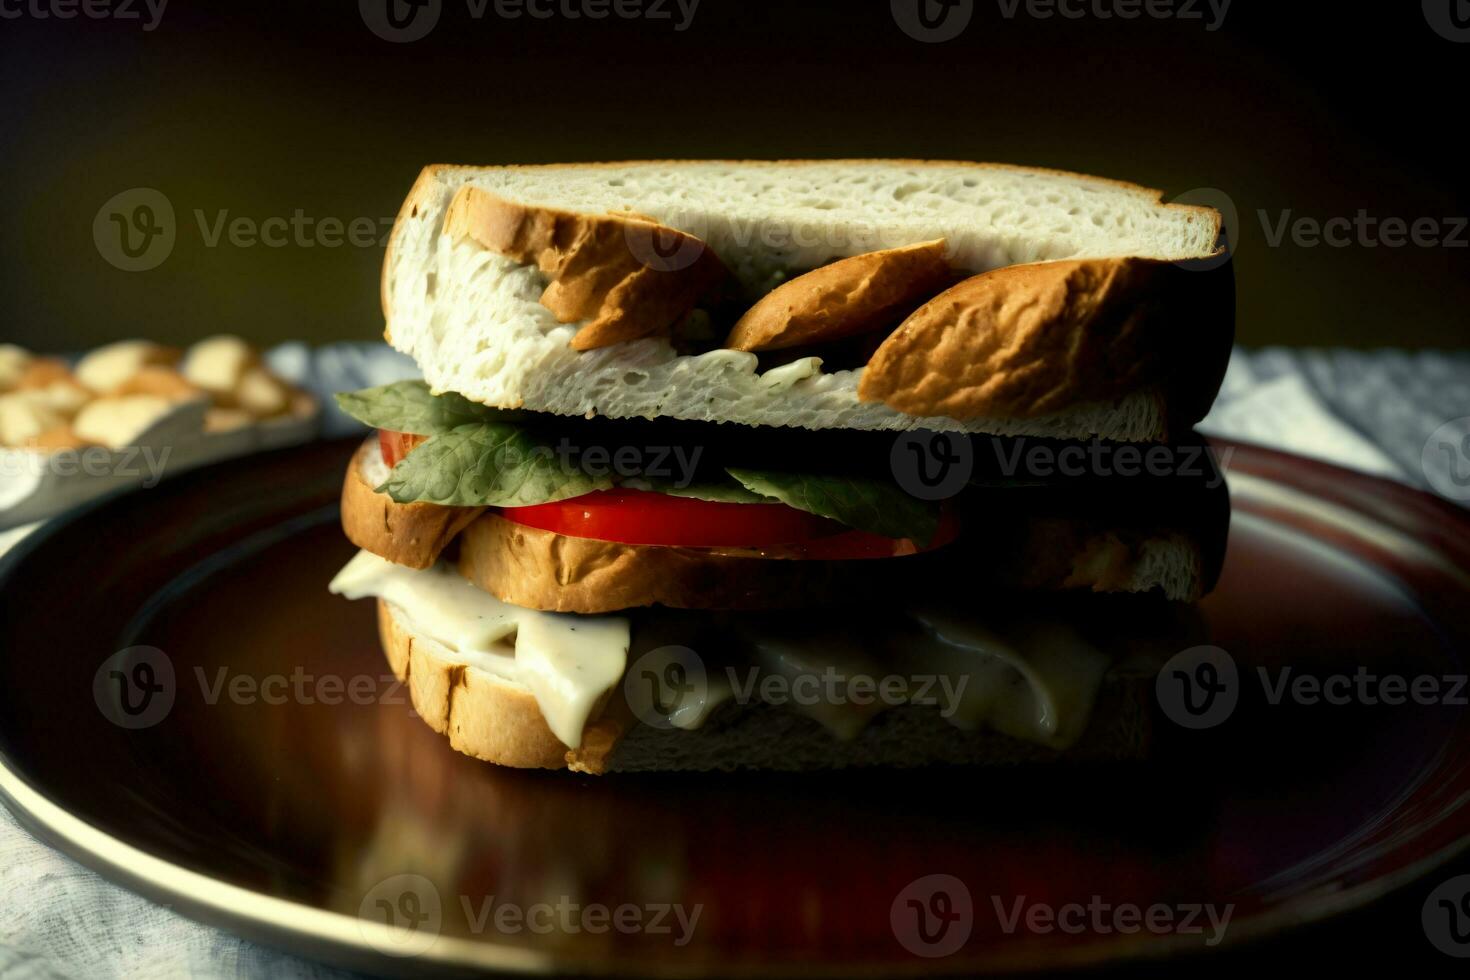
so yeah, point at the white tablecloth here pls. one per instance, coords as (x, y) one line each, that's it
(1368, 411)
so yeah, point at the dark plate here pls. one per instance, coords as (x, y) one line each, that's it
(253, 803)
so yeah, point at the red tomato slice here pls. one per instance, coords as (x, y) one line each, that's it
(396, 445)
(647, 517)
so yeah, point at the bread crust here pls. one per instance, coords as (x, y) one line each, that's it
(406, 534)
(852, 296)
(543, 570)
(481, 715)
(627, 276)
(1028, 340)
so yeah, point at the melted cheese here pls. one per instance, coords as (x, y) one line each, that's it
(568, 663)
(1037, 680)
(798, 658)
(1030, 678)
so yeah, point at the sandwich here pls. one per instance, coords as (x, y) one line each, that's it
(792, 465)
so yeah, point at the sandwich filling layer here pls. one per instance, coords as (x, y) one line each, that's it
(1030, 677)
(567, 662)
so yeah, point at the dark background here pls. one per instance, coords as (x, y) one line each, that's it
(261, 109)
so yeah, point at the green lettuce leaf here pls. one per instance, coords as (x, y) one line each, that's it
(409, 406)
(866, 504)
(487, 464)
(482, 457)
(723, 492)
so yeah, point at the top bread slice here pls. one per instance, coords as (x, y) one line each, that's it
(474, 318)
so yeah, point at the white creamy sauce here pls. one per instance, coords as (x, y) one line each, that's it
(1037, 680)
(789, 374)
(568, 663)
(690, 706)
(1029, 678)
(835, 659)
(373, 467)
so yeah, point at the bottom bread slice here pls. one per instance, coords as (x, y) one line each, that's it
(499, 721)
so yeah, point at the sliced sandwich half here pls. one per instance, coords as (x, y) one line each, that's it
(724, 465)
